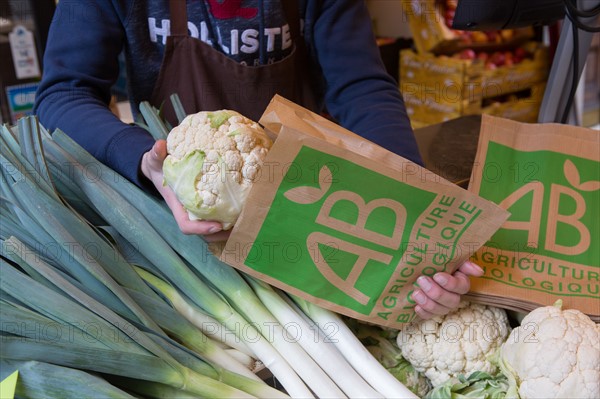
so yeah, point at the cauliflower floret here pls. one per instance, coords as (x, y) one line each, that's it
(458, 343)
(213, 159)
(554, 354)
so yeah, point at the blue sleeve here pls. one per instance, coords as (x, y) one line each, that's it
(80, 67)
(360, 94)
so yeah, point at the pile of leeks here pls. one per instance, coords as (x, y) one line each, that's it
(102, 295)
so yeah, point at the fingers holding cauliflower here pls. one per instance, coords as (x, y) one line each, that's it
(213, 159)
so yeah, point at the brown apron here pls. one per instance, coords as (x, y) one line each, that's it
(205, 79)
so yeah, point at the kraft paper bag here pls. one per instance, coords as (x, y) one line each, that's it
(548, 177)
(348, 225)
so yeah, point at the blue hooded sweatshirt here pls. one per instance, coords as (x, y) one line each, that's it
(87, 37)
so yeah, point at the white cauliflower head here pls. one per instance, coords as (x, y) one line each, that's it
(554, 354)
(213, 159)
(458, 343)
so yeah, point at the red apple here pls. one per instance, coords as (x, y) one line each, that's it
(498, 58)
(466, 37)
(521, 52)
(493, 37)
(467, 54)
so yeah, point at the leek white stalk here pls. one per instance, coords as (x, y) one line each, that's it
(241, 357)
(356, 354)
(325, 354)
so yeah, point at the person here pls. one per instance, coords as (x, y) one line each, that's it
(223, 54)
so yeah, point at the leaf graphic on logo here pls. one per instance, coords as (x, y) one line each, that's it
(309, 195)
(571, 173)
(591, 185)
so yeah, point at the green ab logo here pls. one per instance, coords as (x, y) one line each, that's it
(557, 194)
(310, 195)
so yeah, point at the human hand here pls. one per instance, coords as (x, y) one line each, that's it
(441, 294)
(152, 164)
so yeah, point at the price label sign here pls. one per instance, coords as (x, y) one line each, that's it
(24, 53)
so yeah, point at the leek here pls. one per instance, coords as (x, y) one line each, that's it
(155, 126)
(59, 257)
(26, 182)
(226, 279)
(356, 354)
(246, 360)
(22, 183)
(191, 360)
(381, 343)
(133, 365)
(53, 218)
(130, 223)
(185, 332)
(150, 389)
(17, 319)
(65, 308)
(152, 361)
(193, 314)
(178, 107)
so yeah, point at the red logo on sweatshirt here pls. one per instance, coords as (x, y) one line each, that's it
(227, 9)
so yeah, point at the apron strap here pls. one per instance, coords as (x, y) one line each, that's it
(292, 14)
(178, 11)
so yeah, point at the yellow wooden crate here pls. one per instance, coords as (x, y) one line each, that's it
(428, 109)
(519, 76)
(444, 80)
(522, 106)
(525, 109)
(452, 79)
